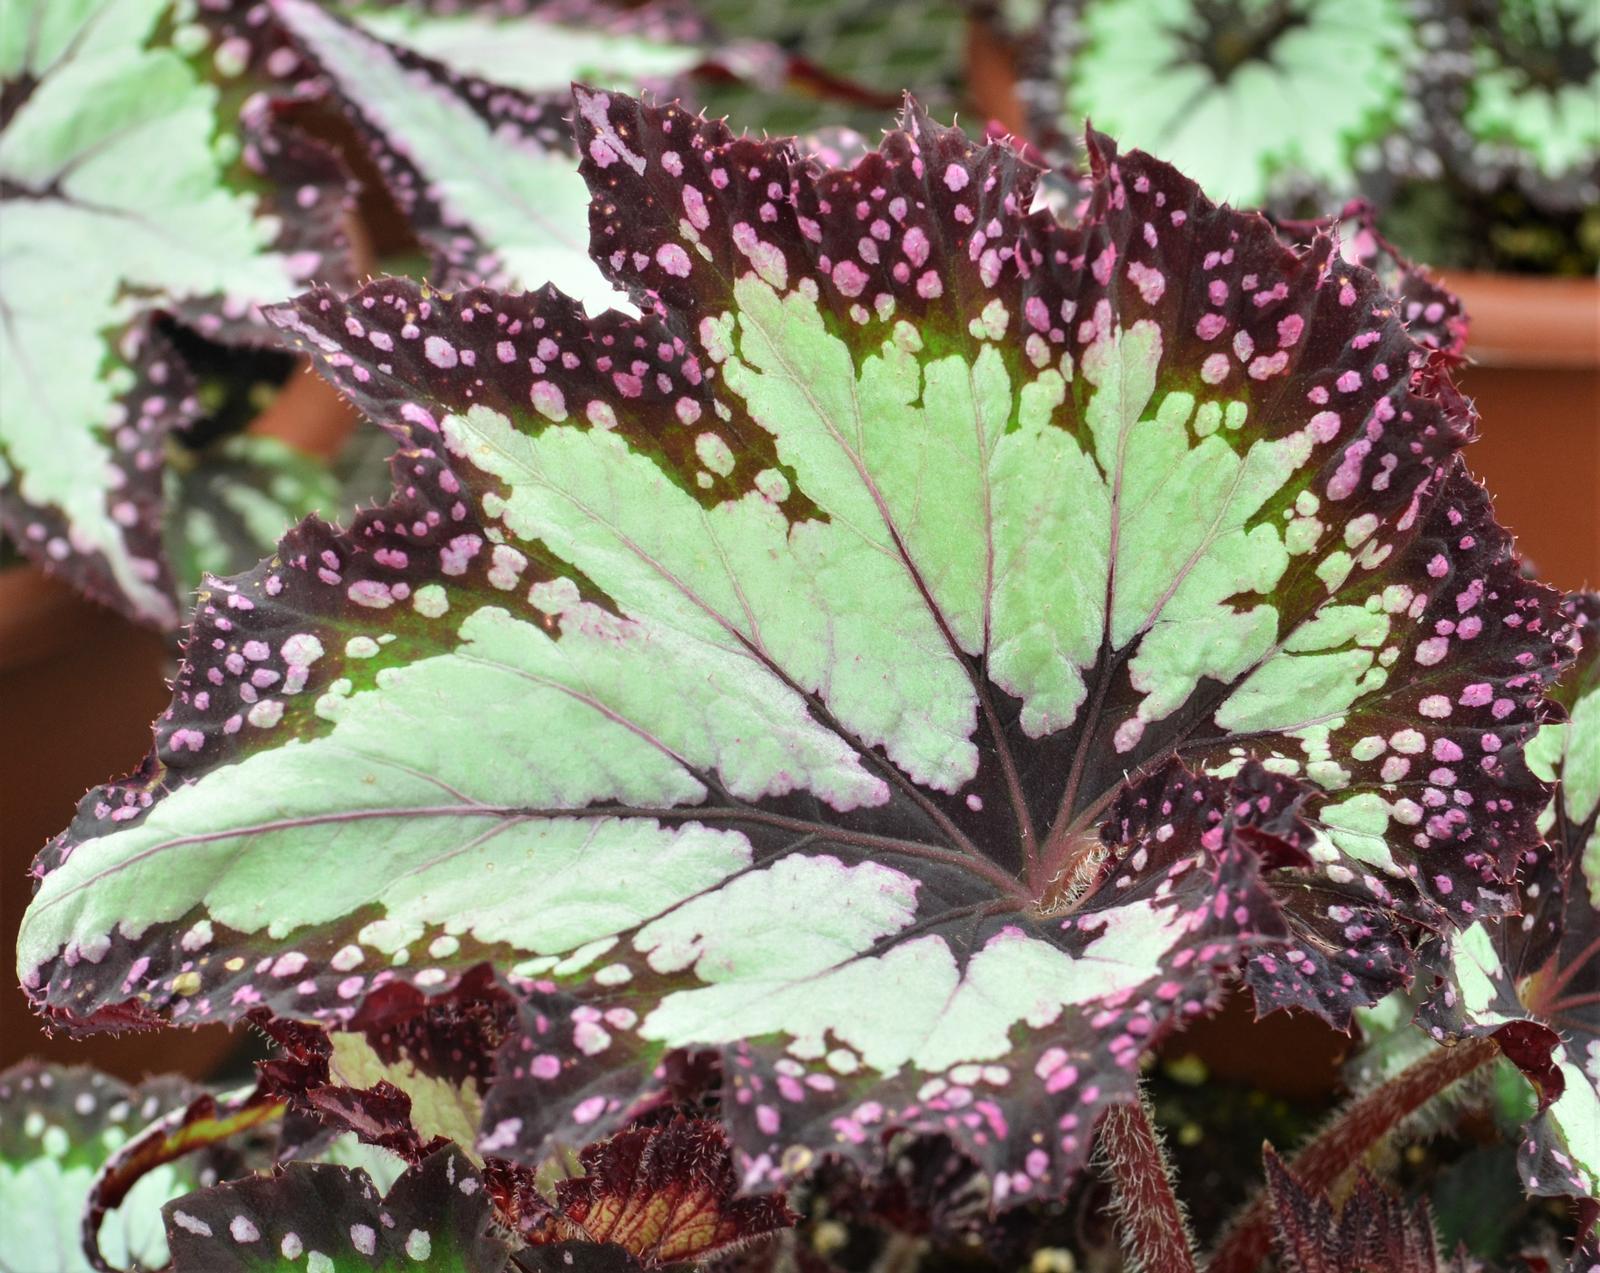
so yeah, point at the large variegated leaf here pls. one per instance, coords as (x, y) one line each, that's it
(818, 667)
(1229, 89)
(126, 186)
(1534, 981)
(466, 118)
(541, 47)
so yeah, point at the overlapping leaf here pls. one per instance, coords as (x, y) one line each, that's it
(331, 1219)
(58, 1125)
(230, 502)
(465, 116)
(1255, 99)
(882, 661)
(1533, 981)
(128, 187)
(663, 1193)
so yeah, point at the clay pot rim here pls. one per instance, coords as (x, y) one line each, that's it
(1529, 320)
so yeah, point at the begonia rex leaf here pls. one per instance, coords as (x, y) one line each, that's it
(58, 1126)
(917, 658)
(1228, 89)
(1529, 97)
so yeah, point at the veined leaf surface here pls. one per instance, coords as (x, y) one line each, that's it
(904, 659)
(123, 189)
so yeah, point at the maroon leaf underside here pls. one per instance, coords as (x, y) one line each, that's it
(1438, 541)
(1372, 1230)
(665, 1193)
(320, 1207)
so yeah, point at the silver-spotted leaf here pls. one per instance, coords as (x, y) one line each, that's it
(1256, 100)
(129, 183)
(332, 1219)
(1533, 981)
(58, 1126)
(762, 674)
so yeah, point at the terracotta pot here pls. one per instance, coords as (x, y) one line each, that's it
(1535, 376)
(79, 687)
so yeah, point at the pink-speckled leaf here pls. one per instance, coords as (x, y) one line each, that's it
(1532, 981)
(59, 1125)
(1434, 316)
(918, 659)
(133, 180)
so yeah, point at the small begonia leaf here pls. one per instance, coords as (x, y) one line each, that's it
(1225, 90)
(1372, 1230)
(214, 1124)
(126, 187)
(58, 1126)
(483, 168)
(1533, 981)
(665, 1193)
(761, 674)
(330, 1219)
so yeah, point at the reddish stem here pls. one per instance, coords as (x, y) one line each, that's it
(1149, 1219)
(1549, 993)
(1347, 1140)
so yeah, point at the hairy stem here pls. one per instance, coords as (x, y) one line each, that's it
(1347, 1140)
(1155, 1235)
